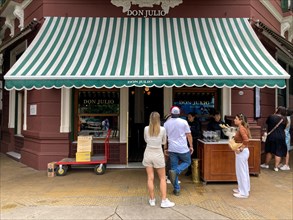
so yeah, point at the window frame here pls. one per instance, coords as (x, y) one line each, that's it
(115, 135)
(214, 91)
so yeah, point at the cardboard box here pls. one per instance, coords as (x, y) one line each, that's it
(85, 143)
(51, 169)
(83, 156)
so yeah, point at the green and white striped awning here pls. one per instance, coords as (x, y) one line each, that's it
(122, 52)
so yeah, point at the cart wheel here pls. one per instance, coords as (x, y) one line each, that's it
(61, 171)
(100, 169)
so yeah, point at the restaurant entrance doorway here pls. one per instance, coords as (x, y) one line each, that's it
(142, 101)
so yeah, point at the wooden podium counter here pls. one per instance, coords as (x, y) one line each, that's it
(217, 160)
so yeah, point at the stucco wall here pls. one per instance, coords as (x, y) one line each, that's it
(43, 141)
(104, 8)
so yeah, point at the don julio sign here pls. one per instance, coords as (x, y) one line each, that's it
(165, 5)
(146, 13)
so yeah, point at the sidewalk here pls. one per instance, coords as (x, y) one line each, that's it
(122, 194)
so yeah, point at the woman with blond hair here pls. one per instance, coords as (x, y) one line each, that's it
(155, 137)
(242, 155)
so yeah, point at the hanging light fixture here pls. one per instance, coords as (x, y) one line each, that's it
(147, 90)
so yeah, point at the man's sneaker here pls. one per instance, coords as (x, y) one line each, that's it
(280, 165)
(235, 190)
(239, 196)
(264, 166)
(167, 204)
(169, 182)
(285, 167)
(276, 169)
(176, 193)
(172, 176)
(152, 202)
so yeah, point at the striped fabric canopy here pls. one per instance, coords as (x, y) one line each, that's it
(123, 52)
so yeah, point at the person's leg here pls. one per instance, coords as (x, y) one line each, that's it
(268, 158)
(242, 172)
(287, 158)
(237, 169)
(288, 144)
(165, 203)
(247, 178)
(277, 161)
(286, 165)
(150, 181)
(185, 162)
(174, 160)
(288, 152)
(163, 185)
(193, 156)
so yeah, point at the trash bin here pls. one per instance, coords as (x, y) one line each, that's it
(195, 171)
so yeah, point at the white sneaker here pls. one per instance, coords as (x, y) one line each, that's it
(152, 202)
(235, 190)
(276, 169)
(169, 182)
(167, 204)
(285, 167)
(239, 196)
(280, 165)
(264, 166)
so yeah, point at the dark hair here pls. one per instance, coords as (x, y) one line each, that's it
(192, 114)
(282, 111)
(216, 113)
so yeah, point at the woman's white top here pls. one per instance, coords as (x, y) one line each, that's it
(155, 141)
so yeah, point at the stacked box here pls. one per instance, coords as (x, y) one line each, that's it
(51, 169)
(85, 143)
(84, 148)
(83, 156)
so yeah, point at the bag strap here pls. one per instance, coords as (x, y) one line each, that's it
(275, 126)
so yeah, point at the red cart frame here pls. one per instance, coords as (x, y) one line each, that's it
(100, 161)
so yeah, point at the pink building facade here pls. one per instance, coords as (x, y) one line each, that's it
(40, 125)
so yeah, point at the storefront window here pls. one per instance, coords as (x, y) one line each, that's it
(98, 111)
(200, 102)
